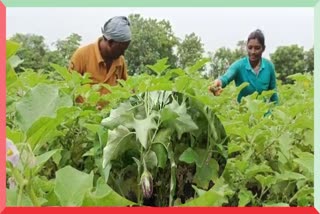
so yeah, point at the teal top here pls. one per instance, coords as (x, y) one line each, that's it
(241, 71)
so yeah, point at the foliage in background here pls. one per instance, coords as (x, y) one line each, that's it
(151, 41)
(292, 59)
(189, 51)
(61, 143)
(37, 55)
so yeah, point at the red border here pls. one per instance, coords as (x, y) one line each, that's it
(2, 105)
(102, 210)
(166, 210)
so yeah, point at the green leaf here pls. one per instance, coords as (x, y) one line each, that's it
(216, 196)
(15, 135)
(45, 129)
(199, 192)
(163, 137)
(15, 61)
(119, 116)
(190, 156)
(208, 172)
(63, 71)
(43, 158)
(306, 162)
(256, 169)
(167, 114)
(71, 186)
(104, 196)
(142, 128)
(183, 123)
(151, 159)
(288, 175)
(118, 142)
(11, 76)
(160, 66)
(245, 196)
(12, 197)
(233, 147)
(271, 204)
(199, 64)
(42, 131)
(304, 192)
(11, 48)
(42, 100)
(266, 181)
(161, 153)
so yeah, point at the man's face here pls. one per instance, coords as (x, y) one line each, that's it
(118, 48)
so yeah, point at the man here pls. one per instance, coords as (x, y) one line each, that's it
(104, 59)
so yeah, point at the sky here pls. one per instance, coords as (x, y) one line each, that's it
(217, 27)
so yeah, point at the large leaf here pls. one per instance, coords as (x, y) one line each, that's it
(15, 61)
(12, 198)
(142, 128)
(43, 158)
(306, 162)
(118, 142)
(119, 116)
(160, 66)
(11, 76)
(208, 172)
(45, 129)
(183, 123)
(71, 186)
(104, 196)
(257, 169)
(190, 156)
(216, 196)
(11, 48)
(245, 197)
(161, 153)
(63, 71)
(42, 100)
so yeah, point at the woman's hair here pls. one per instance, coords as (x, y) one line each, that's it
(257, 34)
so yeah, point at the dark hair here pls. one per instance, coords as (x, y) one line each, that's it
(257, 34)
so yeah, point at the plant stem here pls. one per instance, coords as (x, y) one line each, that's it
(32, 195)
(20, 195)
(172, 176)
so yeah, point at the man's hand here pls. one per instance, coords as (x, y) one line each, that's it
(216, 87)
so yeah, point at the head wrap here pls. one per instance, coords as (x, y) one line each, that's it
(117, 29)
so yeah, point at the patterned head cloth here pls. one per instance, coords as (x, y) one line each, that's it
(117, 29)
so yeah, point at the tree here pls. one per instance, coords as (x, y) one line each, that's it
(288, 60)
(151, 40)
(32, 51)
(65, 49)
(189, 51)
(309, 58)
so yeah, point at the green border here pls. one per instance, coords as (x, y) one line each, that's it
(317, 105)
(160, 3)
(214, 3)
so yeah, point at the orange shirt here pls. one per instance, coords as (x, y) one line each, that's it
(89, 59)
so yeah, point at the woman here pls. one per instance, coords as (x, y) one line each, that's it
(254, 69)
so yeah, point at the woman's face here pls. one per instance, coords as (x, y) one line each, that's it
(255, 50)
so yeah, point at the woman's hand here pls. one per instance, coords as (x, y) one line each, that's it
(216, 87)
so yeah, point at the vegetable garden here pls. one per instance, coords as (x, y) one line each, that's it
(162, 140)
